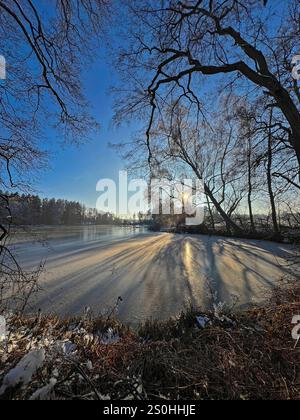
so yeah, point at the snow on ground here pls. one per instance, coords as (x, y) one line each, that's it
(24, 371)
(155, 274)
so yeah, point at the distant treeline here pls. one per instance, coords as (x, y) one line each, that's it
(32, 210)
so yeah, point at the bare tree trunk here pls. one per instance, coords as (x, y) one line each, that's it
(269, 177)
(250, 187)
(292, 114)
(210, 213)
(231, 226)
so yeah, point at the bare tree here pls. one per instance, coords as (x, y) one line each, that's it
(250, 185)
(269, 178)
(46, 49)
(182, 149)
(175, 47)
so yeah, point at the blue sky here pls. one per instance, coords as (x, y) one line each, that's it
(75, 170)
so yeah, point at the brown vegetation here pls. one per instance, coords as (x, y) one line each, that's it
(242, 356)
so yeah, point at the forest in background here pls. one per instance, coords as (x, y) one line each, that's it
(31, 210)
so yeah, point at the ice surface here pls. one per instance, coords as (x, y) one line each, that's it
(156, 274)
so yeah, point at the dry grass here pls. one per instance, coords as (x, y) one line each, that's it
(253, 356)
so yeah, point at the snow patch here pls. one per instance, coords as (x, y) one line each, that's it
(202, 321)
(2, 328)
(67, 347)
(110, 337)
(24, 371)
(44, 393)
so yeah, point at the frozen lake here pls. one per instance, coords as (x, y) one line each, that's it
(157, 275)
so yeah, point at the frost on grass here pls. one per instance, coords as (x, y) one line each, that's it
(24, 371)
(69, 361)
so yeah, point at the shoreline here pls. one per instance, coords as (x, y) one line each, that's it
(285, 238)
